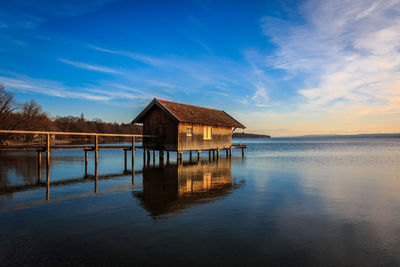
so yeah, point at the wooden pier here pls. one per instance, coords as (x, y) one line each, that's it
(213, 154)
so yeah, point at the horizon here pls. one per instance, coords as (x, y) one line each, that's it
(284, 68)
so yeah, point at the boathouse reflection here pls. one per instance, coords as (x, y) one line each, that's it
(171, 189)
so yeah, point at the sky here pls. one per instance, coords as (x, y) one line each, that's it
(282, 68)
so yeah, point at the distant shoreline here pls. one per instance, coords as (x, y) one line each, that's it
(249, 135)
(383, 135)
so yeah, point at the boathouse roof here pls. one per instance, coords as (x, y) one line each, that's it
(191, 114)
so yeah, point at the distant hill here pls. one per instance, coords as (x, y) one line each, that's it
(249, 135)
(379, 135)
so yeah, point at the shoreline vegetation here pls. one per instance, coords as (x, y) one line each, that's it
(29, 116)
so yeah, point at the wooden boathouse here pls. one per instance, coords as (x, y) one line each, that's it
(181, 127)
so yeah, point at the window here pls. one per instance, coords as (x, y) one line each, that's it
(189, 131)
(207, 133)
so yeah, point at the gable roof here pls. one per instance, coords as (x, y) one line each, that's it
(191, 114)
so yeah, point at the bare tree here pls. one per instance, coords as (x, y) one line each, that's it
(8, 120)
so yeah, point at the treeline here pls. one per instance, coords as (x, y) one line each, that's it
(30, 116)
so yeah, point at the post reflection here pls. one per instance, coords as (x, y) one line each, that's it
(171, 189)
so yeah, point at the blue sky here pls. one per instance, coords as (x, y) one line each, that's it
(280, 67)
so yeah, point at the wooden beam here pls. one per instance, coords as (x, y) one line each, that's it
(39, 154)
(74, 133)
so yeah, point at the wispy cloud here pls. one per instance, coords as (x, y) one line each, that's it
(105, 92)
(261, 96)
(51, 88)
(34, 12)
(348, 52)
(87, 66)
(149, 60)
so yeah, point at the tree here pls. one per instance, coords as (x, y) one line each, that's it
(7, 119)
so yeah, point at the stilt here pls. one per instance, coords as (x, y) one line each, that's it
(144, 156)
(227, 152)
(230, 152)
(125, 160)
(154, 157)
(48, 151)
(96, 182)
(198, 155)
(190, 155)
(217, 153)
(161, 155)
(96, 153)
(47, 184)
(86, 162)
(133, 154)
(209, 154)
(242, 151)
(213, 152)
(179, 156)
(148, 156)
(167, 156)
(39, 154)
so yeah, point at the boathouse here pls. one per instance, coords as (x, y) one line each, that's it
(180, 127)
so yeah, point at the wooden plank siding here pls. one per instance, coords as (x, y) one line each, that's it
(221, 137)
(161, 124)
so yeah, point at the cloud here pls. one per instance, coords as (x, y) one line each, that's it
(261, 97)
(347, 53)
(109, 92)
(46, 87)
(86, 66)
(152, 61)
(32, 13)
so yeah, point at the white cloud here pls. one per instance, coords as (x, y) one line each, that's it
(86, 66)
(349, 52)
(261, 98)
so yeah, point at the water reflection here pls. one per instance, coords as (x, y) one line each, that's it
(170, 189)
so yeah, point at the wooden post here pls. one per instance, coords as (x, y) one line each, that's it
(125, 161)
(47, 184)
(96, 149)
(144, 156)
(242, 151)
(154, 157)
(48, 151)
(133, 154)
(167, 156)
(161, 155)
(179, 155)
(148, 155)
(198, 155)
(230, 152)
(227, 153)
(217, 153)
(86, 162)
(39, 154)
(213, 152)
(209, 154)
(96, 181)
(190, 155)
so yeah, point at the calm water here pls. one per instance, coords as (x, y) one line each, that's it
(288, 202)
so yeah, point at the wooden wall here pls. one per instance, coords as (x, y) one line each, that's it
(221, 137)
(158, 122)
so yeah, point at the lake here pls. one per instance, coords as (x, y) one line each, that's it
(289, 201)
